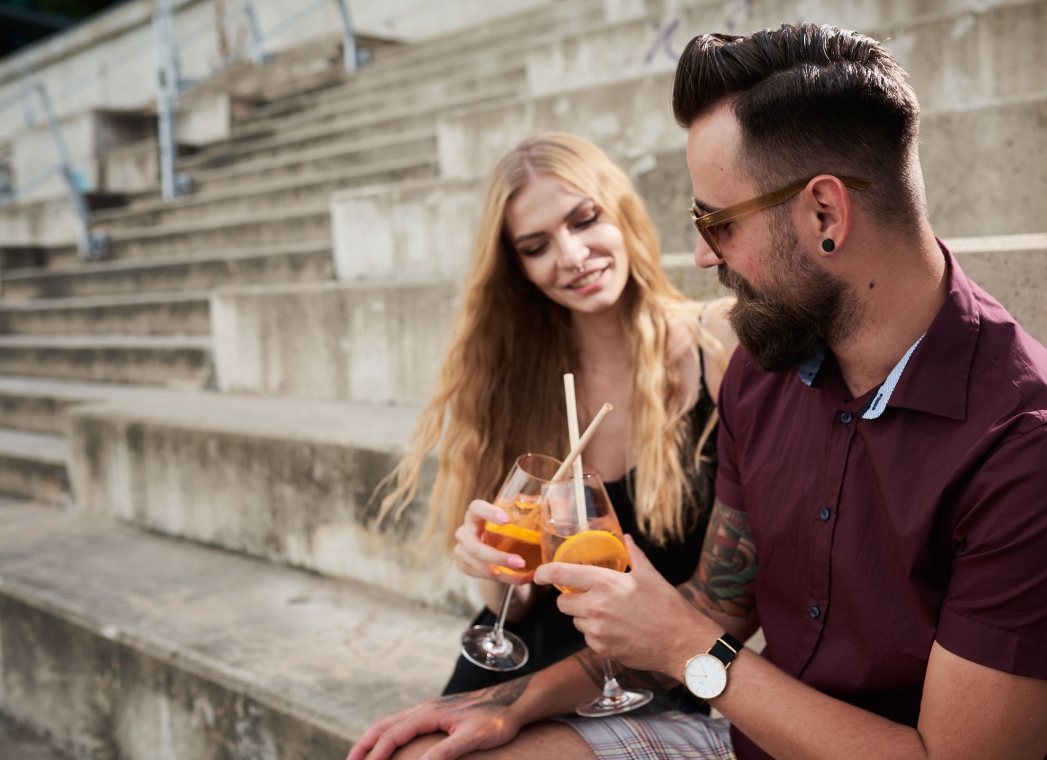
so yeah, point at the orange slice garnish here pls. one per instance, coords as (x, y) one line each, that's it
(599, 548)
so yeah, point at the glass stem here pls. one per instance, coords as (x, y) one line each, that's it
(611, 688)
(507, 596)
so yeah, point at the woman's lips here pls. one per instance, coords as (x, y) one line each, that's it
(587, 279)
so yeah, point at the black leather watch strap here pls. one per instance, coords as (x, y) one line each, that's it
(721, 650)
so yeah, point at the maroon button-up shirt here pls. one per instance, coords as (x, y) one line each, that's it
(877, 537)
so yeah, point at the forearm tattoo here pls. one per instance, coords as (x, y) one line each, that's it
(592, 665)
(501, 695)
(726, 577)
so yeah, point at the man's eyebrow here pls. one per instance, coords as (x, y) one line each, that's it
(704, 206)
(569, 214)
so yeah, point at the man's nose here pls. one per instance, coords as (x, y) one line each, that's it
(704, 257)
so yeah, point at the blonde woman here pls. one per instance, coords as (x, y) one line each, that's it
(566, 277)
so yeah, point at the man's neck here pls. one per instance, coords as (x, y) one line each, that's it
(901, 292)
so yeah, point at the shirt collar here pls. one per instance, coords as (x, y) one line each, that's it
(938, 364)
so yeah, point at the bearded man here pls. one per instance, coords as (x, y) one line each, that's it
(882, 485)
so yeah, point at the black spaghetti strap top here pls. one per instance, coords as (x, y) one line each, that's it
(549, 634)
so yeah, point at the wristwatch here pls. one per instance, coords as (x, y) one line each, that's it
(706, 674)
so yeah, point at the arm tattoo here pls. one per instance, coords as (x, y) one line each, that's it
(726, 577)
(501, 695)
(592, 665)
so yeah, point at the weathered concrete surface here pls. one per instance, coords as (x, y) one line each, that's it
(287, 480)
(47, 221)
(138, 314)
(308, 262)
(421, 229)
(376, 343)
(19, 744)
(117, 644)
(955, 53)
(627, 119)
(38, 405)
(986, 168)
(33, 466)
(162, 360)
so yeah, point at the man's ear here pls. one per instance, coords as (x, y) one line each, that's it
(826, 220)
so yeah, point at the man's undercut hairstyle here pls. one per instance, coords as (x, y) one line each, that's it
(812, 100)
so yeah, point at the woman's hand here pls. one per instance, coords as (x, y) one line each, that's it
(477, 559)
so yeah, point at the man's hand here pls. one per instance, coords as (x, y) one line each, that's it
(631, 618)
(473, 721)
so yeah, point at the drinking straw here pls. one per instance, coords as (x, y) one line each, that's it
(572, 434)
(582, 443)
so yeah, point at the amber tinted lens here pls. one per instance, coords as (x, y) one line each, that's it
(709, 234)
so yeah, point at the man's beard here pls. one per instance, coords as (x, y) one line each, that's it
(784, 329)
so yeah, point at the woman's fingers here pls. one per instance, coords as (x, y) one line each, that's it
(485, 510)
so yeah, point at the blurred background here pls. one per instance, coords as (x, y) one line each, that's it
(232, 235)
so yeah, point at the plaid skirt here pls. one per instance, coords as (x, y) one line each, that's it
(667, 736)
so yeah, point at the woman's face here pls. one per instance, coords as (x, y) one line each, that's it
(565, 247)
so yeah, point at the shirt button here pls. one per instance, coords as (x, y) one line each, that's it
(846, 418)
(815, 613)
(824, 514)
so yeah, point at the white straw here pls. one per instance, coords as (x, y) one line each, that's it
(572, 433)
(587, 436)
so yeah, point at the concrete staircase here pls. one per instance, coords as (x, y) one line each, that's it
(246, 366)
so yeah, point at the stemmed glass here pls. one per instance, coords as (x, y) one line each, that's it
(493, 647)
(588, 536)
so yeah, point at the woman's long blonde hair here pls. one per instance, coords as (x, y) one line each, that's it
(500, 392)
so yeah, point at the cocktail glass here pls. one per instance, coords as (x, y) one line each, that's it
(493, 647)
(592, 537)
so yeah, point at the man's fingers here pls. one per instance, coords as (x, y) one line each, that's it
(637, 559)
(581, 577)
(371, 735)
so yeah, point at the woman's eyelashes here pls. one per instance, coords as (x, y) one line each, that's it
(582, 224)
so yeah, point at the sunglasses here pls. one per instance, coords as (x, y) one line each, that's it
(709, 224)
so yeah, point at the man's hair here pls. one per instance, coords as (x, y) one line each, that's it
(812, 100)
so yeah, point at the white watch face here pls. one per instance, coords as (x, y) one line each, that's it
(706, 676)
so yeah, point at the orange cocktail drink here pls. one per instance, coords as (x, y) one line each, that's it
(590, 538)
(521, 535)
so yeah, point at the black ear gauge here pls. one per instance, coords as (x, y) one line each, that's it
(828, 245)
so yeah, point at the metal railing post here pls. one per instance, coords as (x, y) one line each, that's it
(348, 37)
(258, 54)
(168, 80)
(90, 245)
(27, 93)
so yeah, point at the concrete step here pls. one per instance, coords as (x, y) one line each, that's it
(243, 194)
(385, 342)
(287, 480)
(39, 405)
(424, 85)
(137, 314)
(167, 361)
(119, 643)
(955, 53)
(299, 262)
(345, 126)
(374, 342)
(19, 744)
(286, 226)
(33, 466)
(291, 131)
(443, 58)
(286, 150)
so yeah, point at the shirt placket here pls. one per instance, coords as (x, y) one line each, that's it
(842, 428)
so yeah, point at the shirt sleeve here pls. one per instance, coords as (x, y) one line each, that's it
(728, 480)
(995, 608)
